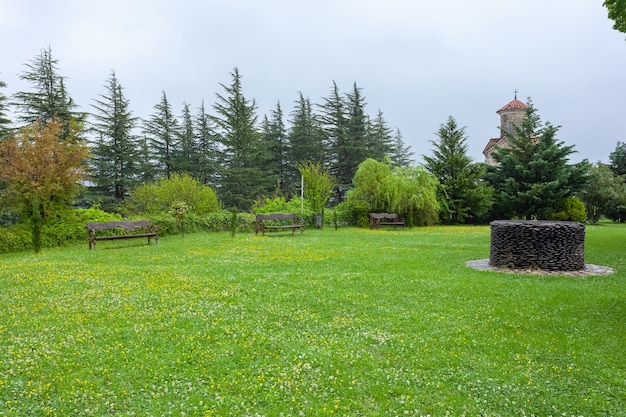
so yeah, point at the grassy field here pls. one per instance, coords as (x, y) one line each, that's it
(350, 322)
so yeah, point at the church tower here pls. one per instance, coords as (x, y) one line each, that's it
(511, 114)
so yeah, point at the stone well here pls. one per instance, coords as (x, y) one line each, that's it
(530, 244)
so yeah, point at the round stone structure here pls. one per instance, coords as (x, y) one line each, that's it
(537, 244)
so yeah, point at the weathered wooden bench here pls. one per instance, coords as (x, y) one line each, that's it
(125, 230)
(277, 221)
(385, 219)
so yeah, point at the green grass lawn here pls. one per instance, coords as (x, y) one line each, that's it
(350, 322)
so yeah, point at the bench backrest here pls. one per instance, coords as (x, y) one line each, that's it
(276, 216)
(128, 225)
(384, 215)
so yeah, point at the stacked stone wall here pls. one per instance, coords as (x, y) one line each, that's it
(549, 245)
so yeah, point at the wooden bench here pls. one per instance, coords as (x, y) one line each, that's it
(128, 229)
(277, 221)
(385, 219)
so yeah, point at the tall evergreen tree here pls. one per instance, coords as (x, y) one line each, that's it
(379, 138)
(49, 98)
(461, 193)
(244, 176)
(401, 154)
(162, 132)
(185, 155)
(305, 139)
(533, 175)
(275, 138)
(116, 148)
(354, 150)
(335, 123)
(617, 159)
(5, 123)
(208, 152)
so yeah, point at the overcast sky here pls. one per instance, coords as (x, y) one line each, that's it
(417, 61)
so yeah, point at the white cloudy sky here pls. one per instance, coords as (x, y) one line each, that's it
(418, 61)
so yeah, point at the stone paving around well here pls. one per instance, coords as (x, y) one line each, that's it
(590, 269)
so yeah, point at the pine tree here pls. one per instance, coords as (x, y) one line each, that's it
(275, 138)
(354, 150)
(533, 175)
(208, 153)
(244, 176)
(379, 138)
(617, 159)
(335, 123)
(461, 193)
(49, 98)
(116, 148)
(305, 139)
(5, 123)
(401, 154)
(162, 132)
(185, 156)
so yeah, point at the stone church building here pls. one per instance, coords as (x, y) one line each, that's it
(511, 114)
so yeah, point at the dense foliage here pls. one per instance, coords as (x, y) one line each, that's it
(533, 175)
(410, 192)
(43, 169)
(462, 194)
(617, 13)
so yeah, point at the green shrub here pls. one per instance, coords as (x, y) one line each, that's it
(151, 199)
(570, 209)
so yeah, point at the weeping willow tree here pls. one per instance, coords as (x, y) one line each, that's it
(410, 192)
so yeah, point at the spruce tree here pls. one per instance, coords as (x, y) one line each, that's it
(533, 175)
(461, 193)
(162, 132)
(244, 175)
(115, 148)
(354, 150)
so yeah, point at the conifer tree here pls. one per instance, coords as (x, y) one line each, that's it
(162, 132)
(533, 175)
(208, 153)
(5, 123)
(305, 139)
(185, 155)
(115, 148)
(379, 138)
(275, 138)
(354, 150)
(461, 193)
(49, 97)
(244, 175)
(617, 159)
(401, 154)
(335, 123)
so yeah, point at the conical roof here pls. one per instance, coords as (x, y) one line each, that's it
(513, 105)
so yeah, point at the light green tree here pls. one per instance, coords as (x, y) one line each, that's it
(410, 192)
(318, 187)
